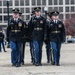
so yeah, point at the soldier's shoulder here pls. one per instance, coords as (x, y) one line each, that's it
(42, 16)
(60, 21)
(11, 19)
(51, 21)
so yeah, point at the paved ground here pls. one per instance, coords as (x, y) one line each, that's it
(67, 63)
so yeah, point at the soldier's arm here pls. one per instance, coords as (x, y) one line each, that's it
(63, 33)
(45, 29)
(30, 28)
(25, 28)
(48, 29)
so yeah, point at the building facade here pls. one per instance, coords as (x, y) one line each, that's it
(65, 7)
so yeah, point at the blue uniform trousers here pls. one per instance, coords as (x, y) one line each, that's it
(22, 52)
(48, 51)
(56, 51)
(32, 51)
(38, 50)
(2, 43)
(15, 53)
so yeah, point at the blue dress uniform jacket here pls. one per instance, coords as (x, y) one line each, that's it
(37, 28)
(56, 31)
(57, 36)
(37, 32)
(15, 30)
(15, 34)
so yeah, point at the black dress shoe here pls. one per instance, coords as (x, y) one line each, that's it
(5, 51)
(18, 65)
(13, 64)
(57, 64)
(22, 63)
(36, 64)
(48, 61)
(40, 64)
(52, 63)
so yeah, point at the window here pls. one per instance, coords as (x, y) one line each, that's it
(27, 10)
(10, 3)
(50, 2)
(32, 9)
(60, 2)
(73, 15)
(16, 3)
(61, 16)
(67, 16)
(0, 18)
(4, 3)
(50, 9)
(10, 10)
(27, 2)
(27, 17)
(42, 9)
(72, 1)
(38, 2)
(5, 18)
(72, 9)
(5, 10)
(55, 2)
(0, 3)
(33, 2)
(67, 9)
(56, 8)
(21, 2)
(23, 17)
(22, 10)
(43, 2)
(0, 10)
(60, 9)
(67, 1)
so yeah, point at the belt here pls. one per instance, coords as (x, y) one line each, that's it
(37, 28)
(56, 31)
(15, 31)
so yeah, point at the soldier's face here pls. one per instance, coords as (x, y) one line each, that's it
(15, 15)
(20, 17)
(38, 13)
(48, 18)
(55, 17)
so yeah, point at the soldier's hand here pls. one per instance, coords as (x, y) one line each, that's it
(7, 39)
(63, 40)
(45, 38)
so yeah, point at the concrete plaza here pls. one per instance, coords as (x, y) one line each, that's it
(67, 63)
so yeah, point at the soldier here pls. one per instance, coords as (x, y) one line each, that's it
(14, 34)
(57, 36)
(2, 40)
(47, 41)
(25, 30)
(31, 41)
(37, 32)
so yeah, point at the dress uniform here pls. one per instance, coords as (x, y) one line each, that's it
(37, 31)
(14, 34)
(25, 31)
(47, 41)
(2, 40)
(57, 36)
(31, 41)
